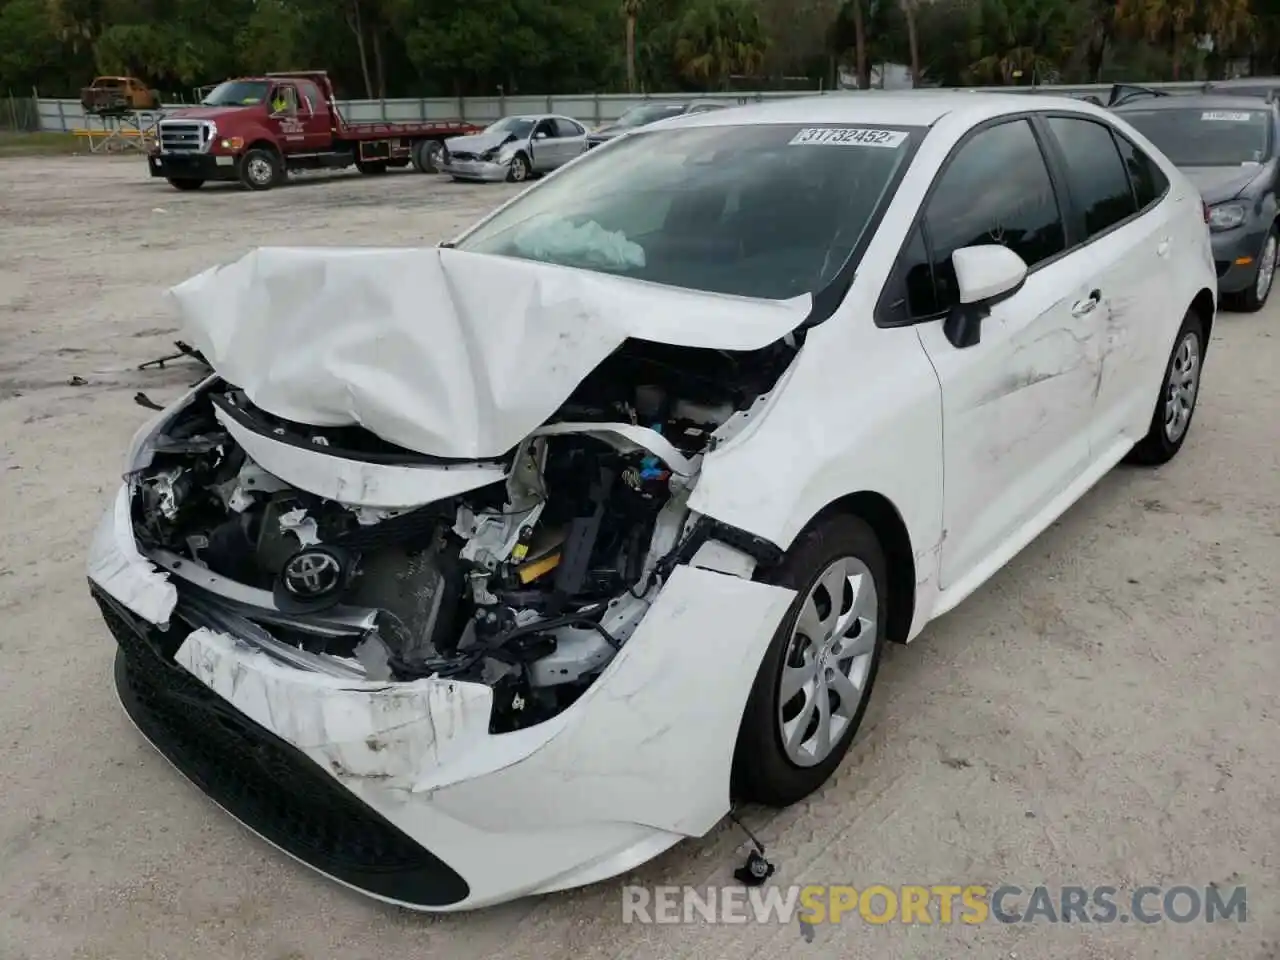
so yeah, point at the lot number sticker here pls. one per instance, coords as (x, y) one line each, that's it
(849, 137)
(1226, 116)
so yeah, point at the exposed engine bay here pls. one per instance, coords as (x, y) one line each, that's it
(530, 585)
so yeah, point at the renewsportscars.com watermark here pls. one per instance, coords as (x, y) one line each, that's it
(942, 904)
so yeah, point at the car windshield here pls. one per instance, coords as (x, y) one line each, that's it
(237, 93)
(771, 211)
(1205, 136)
(649, 113)
(519, 127)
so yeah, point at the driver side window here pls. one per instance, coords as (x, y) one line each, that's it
(545, 128)
(285, 100)
(996, 189)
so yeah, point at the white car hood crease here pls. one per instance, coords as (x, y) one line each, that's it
(448, 353)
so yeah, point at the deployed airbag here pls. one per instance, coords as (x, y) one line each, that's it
(452, 354)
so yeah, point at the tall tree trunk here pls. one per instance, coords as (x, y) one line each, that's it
(1176, 52)
(631, 52)
(860, 46)
(913, 42)
(378, 65)
(356, 23)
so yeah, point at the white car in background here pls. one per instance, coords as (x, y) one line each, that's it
(514, 148)
(500, 567)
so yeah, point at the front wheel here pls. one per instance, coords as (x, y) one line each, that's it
(186, 184)
(1176, 404)
(814, 683)
(518, 172)
(1255, 298)
(261, 169)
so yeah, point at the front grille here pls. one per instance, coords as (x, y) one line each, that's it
(261, 780)
(184, 136)
(462, 155)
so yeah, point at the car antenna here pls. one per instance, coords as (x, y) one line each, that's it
(757, 869)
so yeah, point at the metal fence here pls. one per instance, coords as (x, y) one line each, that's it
(591, 109)
(19, 113)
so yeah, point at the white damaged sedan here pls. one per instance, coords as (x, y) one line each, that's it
(499, 568)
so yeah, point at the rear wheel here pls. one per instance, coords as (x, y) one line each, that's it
(426, 156)
(261, 169)
(815, 681)
(1179, 391)
(372, 168)
(186, 184)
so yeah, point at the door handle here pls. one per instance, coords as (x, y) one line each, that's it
(1088, 305)
(1162, 250)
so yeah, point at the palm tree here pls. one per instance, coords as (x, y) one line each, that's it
(1179, 23)
(720, 38)
(860, 46)
(631, 12)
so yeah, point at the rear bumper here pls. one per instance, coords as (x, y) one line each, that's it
(192, 166)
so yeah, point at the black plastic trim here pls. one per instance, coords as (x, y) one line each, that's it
(268, 785)
(247, 419)
(765, 552)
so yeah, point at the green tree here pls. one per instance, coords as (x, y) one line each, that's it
(718, 39)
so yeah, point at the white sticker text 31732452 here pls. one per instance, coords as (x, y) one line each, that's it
(849, 137)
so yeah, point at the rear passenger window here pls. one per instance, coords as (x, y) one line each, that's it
(1095, 173)
(567, 128)
(996, 189)
(1148, 180)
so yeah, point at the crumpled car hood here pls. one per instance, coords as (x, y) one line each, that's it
(478, 143)
(1217, 184)
(451, 354)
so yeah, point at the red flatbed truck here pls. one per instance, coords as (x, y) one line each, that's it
(259, 129)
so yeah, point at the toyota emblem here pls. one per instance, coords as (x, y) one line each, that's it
(312, 574)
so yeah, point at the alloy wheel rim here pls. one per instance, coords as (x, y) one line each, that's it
(827, 662)
(1267, 268)
(517, 169)
(1182, 387)
(259, 170)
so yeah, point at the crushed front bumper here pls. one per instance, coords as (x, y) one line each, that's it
(192, 166)
(480, 170)
(398, 789)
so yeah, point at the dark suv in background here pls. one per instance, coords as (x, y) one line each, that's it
(1227, 146)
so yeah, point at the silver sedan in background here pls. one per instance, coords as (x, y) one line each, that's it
(514, 148)
(647, 113)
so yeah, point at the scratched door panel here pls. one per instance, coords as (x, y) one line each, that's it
(1016, 413)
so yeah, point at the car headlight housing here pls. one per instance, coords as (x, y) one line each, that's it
(1226, 216)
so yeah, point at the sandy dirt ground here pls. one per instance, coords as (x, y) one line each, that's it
(1104, 712)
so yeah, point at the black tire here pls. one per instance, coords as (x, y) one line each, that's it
(520, 170)
(186, 184)
(426, 156)
(1157, 446)
(372, 168)
(1253, 300)
(261, 169)
(762, 772)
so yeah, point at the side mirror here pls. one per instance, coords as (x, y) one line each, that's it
(540, 135)
(985, 275)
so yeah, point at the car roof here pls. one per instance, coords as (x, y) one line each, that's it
(1194, 101)
(910, 108)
